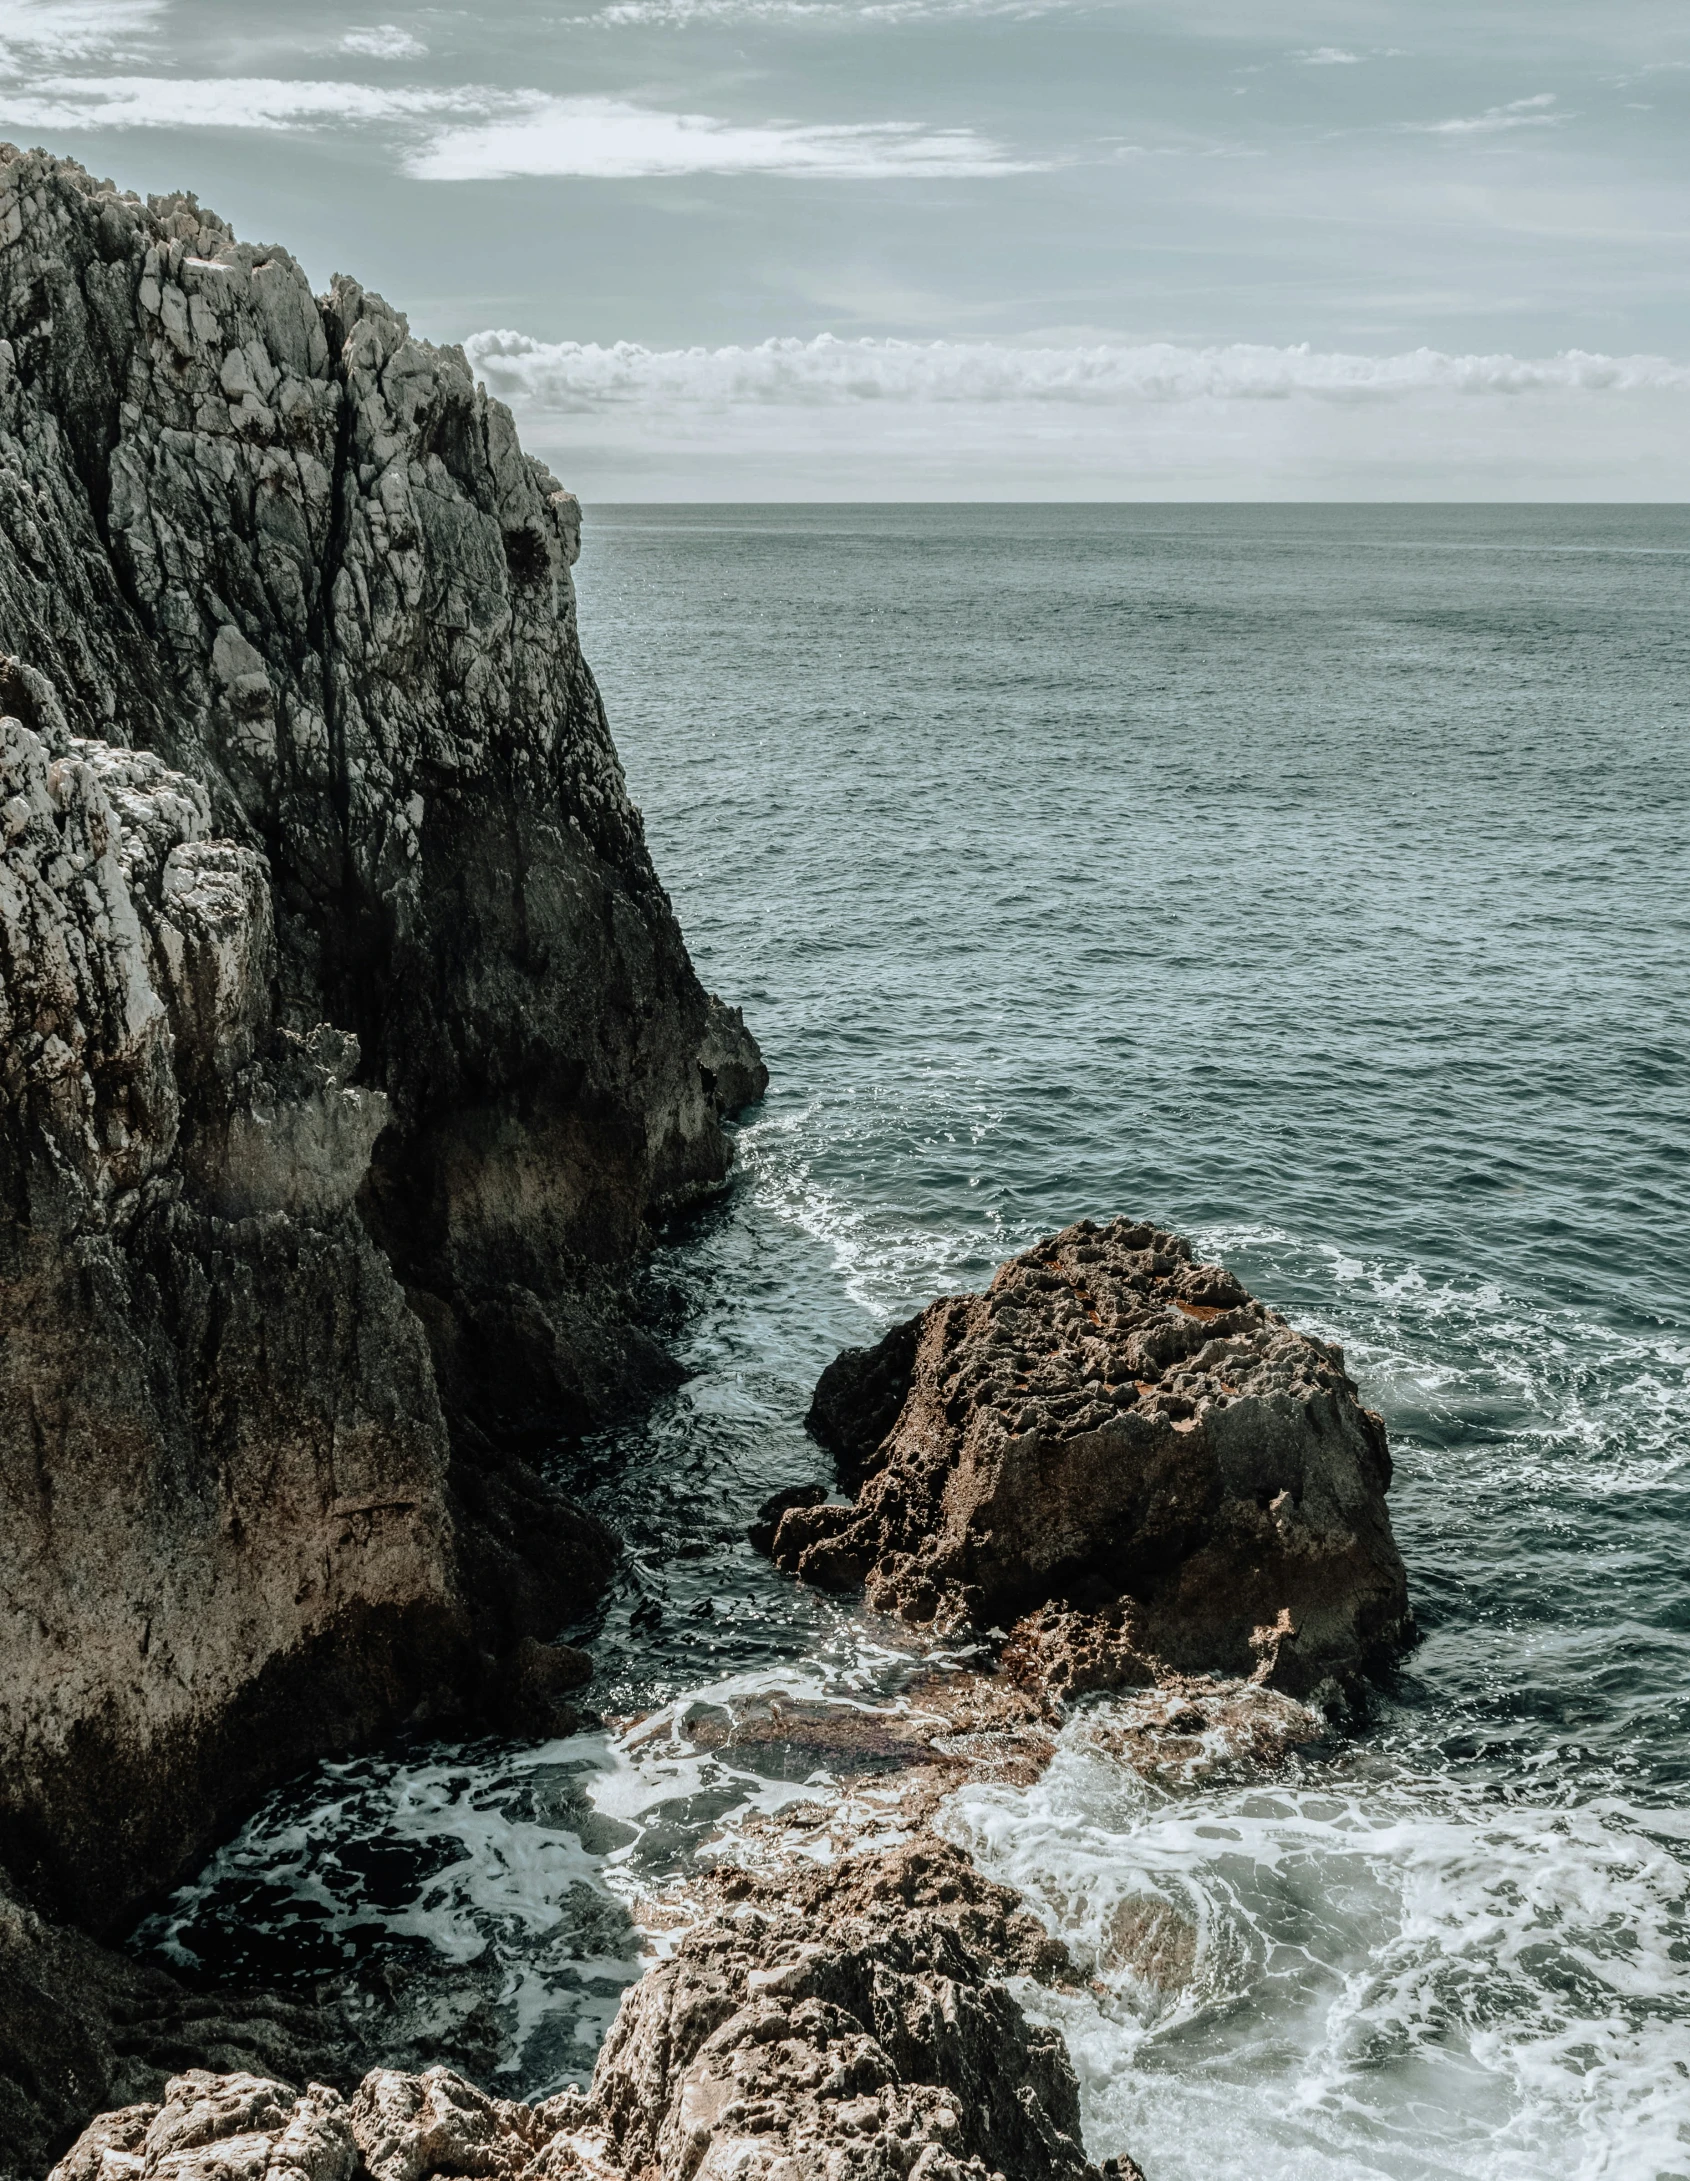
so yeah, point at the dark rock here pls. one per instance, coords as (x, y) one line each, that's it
(1119, 1428)
(348, 1041)
(81, 2028)
(732, 1067)
(762, 1531)
(530, 1688)
(858, 1398)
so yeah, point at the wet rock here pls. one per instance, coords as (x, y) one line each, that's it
(762, 1532)
(1123, 1430)
(732, 1067)
(850, 2024)
(531, 1687)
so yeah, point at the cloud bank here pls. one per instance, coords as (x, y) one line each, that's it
(40, 33)
(956, 420)
(575, 376)
(823, 14)
(472, 133)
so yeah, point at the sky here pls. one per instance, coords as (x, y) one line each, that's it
(963, 249)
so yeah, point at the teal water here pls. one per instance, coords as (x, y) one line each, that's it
(1312, 880)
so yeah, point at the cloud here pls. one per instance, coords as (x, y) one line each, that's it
(1519, 113)
(34, 33)
(1328, 56)
(615, 138)
(830, 14)
(384, 42)
(572, 377)
(208, 102)
(474, 134)
(955, 420)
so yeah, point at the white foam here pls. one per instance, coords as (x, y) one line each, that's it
(886, 1262)
(1389, 1974)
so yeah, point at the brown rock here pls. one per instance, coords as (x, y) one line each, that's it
(847, 2024)
(1115, 1426)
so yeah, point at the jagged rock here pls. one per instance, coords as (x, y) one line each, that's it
(222, 2128)
(1118, 1427)
(301, 555)
(227, 1537)
(81, 2027)
(347, 1039)
(832, 2025)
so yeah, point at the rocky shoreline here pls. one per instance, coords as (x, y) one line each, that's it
(350, 1048)
(837, 1993)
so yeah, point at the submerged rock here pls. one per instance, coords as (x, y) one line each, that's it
(843, 2024)
(1125, 1432)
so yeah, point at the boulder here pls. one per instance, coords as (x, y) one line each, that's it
(1123, 1430)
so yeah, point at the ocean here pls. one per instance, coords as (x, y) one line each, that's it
(1312, 880)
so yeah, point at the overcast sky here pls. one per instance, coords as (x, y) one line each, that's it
(964, 248)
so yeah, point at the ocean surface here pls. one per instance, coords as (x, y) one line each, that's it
(1313, 880)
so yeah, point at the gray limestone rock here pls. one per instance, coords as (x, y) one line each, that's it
(347, 1042)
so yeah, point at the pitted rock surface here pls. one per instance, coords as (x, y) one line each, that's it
(848, 2024)
(1120, 1428)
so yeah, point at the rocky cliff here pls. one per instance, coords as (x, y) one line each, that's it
(349, 1037)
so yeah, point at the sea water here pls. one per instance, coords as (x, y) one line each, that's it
(1313, 881)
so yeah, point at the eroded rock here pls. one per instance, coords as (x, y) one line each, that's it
(1122, 1430)
(847, 2024)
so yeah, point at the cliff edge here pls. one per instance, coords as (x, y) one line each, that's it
(349, 1038)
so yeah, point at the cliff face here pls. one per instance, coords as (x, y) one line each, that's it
(349, 1038)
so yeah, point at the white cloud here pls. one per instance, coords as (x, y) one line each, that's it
(864, 14)
(473, 134)
(877, 419)
(580, 377)
(208, 102)
(615, 138)
(1328, 56)
(36, 33)
(1519, 113)
(384, 42)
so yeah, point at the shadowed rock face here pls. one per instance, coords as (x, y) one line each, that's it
(847, 2025)
(1117, 1427)
(347, 1038)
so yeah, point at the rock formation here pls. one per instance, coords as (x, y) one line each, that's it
(1121, 1444)
(847, 2025)
(349, 1039)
